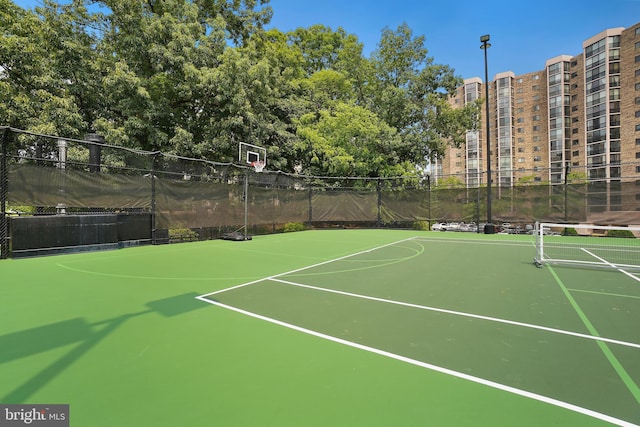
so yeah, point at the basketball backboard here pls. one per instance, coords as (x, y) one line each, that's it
(248, 154)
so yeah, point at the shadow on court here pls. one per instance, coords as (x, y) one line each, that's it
(21, 344)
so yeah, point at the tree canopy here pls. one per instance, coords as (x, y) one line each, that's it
(194, 78)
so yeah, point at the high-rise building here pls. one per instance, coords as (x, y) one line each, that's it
(579, 117)
(575, 121)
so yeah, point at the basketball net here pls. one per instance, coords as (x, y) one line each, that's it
(259, 165)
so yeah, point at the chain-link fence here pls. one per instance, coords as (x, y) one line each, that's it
(187, 199)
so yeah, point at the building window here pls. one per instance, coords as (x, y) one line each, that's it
(536, 128)
(575, 153)
(614, 94)
(637, 113)
(520, 120)
(575, 142)
(637, 59)
(520, 159)
(536, 148)
(614, 67)
(637, 141)
(520, 149)
(638, 100)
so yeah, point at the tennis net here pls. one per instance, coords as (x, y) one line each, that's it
(588, 245)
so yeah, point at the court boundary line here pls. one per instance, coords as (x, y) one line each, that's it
(610, 264)
(624, 376)
(545, 399)
(462, 314)
(608, 294)
(307, 267)
(432, 367)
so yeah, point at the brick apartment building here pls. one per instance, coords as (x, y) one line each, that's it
(578, 118)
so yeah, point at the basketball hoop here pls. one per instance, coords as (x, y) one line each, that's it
(259, 165)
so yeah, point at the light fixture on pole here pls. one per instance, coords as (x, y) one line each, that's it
(489, 227)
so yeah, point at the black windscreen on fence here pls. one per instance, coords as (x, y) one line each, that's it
(50, 175)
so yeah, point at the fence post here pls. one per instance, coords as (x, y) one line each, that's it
(566, 181)
(4, 191)
(379, 191)
(152, 175)
(310, 205)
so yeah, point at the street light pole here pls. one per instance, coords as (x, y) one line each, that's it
(489, 228)
(567, 169)
(429, 196)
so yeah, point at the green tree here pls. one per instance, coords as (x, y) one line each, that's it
(410, 92)
(44, 63)
(173, 83)
(349, 140)
(194, 78)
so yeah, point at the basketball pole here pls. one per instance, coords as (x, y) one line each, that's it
(246, 206)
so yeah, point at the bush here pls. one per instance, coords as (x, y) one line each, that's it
(293, 226)
(20, 210)
(620, 233)
(182, 234)
(421, 225)
(569, 231)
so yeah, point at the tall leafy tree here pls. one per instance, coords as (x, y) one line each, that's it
(46, 70)
(410, 93)
(195, 77)
(349, 140)
(166, 62)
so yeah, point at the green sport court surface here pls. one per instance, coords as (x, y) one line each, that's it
(318, 328)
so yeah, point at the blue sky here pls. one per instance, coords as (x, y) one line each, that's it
(524, 34)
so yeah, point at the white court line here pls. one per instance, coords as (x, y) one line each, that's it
(478, 242)
(612, 265)
(463, 314)
(443, 370)
(435, 368)
(306, 268)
